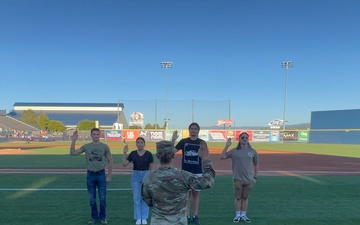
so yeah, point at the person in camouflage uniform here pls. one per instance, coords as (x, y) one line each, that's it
(166, 189)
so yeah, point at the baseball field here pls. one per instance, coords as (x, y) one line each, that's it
(298, 184)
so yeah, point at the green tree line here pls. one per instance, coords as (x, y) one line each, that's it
(44, 123)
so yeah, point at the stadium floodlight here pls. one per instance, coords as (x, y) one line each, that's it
(166, 65)
(286, 65)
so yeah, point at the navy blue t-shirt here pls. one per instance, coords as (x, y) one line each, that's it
(191, 161)
(141, 162)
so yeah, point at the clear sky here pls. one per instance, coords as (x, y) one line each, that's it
(100, 51)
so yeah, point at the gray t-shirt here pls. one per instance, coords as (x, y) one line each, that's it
(243, 161)
(96, 155)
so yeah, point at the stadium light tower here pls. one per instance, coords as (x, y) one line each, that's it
(166, 65)
(286, 65)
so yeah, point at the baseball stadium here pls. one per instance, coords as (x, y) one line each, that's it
(308, 176)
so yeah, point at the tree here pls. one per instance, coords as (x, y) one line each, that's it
(148, 126)
(29, 117)
(156, 126)
(86, 124)
(164, 126)
(56, 126)
(43, 121)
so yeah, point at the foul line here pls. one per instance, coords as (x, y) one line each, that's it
(312, 172)
(300, 172)
(59, 189)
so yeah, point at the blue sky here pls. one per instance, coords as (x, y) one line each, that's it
(101, 51)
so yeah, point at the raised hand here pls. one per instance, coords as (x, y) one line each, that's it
(126, 149)
(203, 151)
(175, 136)
(75, 136)
(228, 142)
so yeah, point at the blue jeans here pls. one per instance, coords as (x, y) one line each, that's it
(141, 210)
(98, 181)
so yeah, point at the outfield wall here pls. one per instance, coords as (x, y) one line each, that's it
(335, 127)
(207, 135)
(344, 136)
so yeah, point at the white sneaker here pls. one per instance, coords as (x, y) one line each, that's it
(138, 222)
(245, 219)
(237, 219)
(143, 222)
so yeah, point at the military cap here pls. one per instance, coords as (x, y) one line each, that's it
(165, 147)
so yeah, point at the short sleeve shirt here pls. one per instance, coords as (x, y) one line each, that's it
(191, 161)
(96, 155)
(243, 161)
(141, 162)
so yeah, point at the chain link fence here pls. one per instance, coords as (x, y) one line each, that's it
(180, 113)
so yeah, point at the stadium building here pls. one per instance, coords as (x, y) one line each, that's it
(106, 115)
(335, 127)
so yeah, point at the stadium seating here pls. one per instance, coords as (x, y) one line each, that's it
(7, 122)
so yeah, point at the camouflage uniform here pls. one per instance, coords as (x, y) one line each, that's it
(166, 189)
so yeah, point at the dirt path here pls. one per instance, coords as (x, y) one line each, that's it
(271, 163)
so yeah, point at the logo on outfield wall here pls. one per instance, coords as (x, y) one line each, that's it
(263, 136)
(289, 136)
(274, 135)
(113, 134)
(303, 136)
(156, 135)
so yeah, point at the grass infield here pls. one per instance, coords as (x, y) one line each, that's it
(62, 199)
(39, 199)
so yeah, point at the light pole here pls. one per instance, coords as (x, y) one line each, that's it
(286, 65)
(166, 65)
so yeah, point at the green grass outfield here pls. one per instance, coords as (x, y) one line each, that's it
(41, 199)
(56, 154)
(116, 147)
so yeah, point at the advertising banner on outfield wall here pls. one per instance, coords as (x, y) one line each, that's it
(152, 135)
(303, 136)
(203, 134)
(230, 134)
(185, 134)
(274, 135)
(238, 132)
(290, 136)
(113, 135)
(217, 135)
(261, 136)
(143, 134)
(102, 134)
(130, 135)
(155, 135)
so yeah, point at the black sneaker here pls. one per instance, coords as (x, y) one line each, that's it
(196, 220)
(189, 219)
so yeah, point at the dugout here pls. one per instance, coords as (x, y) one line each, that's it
(335, 127)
